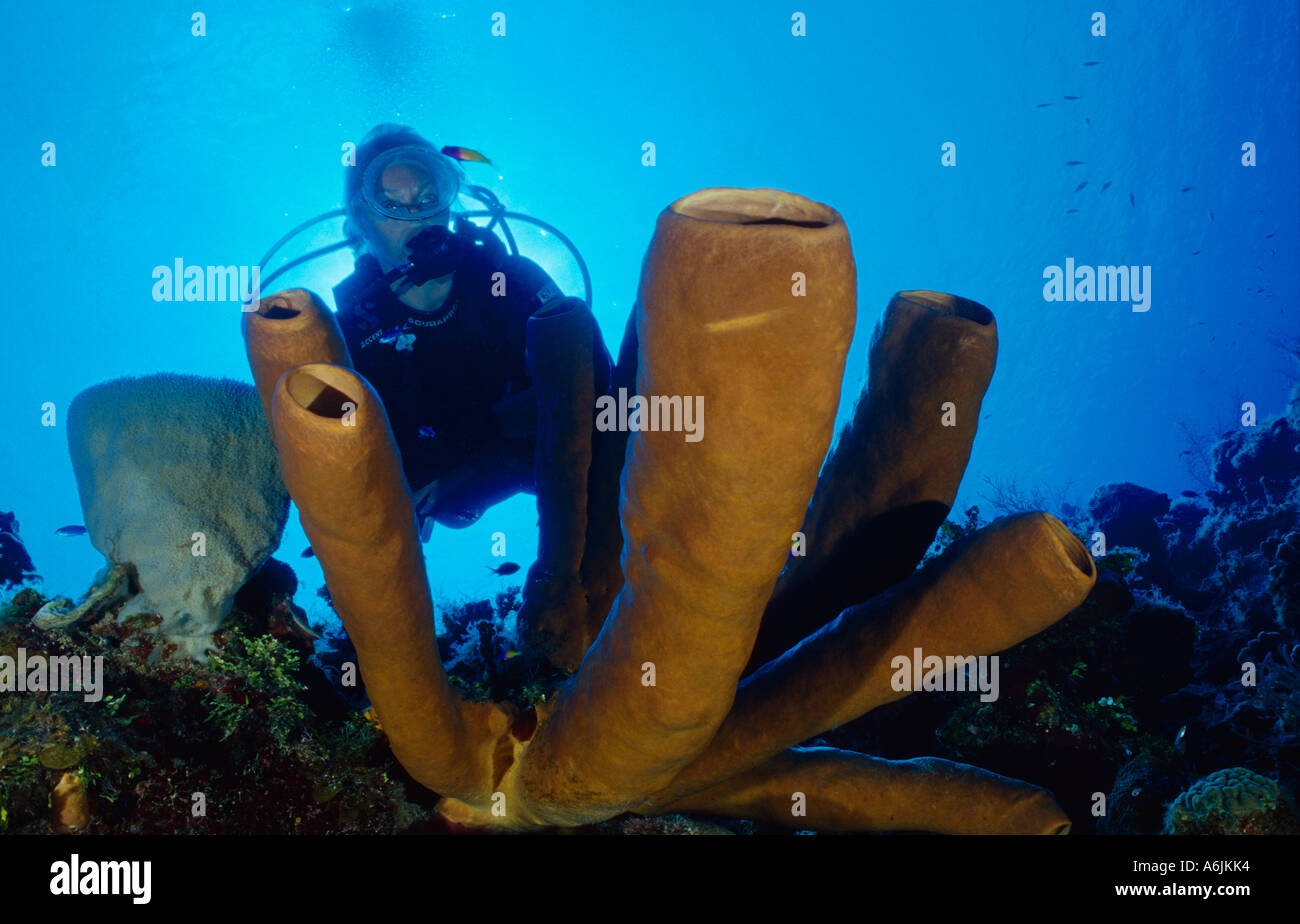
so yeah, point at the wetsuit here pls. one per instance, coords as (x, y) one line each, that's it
(439, 373)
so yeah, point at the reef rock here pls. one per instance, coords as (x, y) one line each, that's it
(1127, 514)
(1257, 463)
(179, 479)
(1284, 581)
(1142, 787)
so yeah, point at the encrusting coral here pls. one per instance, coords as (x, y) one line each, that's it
(747, 299)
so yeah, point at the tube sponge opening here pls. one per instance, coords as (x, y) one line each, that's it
(1071, 545)
(312, 389)
(944, 303)
(754, 207)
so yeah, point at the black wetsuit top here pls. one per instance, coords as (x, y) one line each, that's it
(439, 373)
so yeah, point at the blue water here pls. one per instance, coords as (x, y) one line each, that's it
(209, 148)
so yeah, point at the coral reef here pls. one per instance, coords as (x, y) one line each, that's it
(179, 482)
(660, 717)
(1183, 659)
(253, 741)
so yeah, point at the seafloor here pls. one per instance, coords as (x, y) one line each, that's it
(1137, 696)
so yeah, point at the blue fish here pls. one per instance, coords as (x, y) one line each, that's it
(1073, 163)
(1081, 185)
(508, 568)
(427, 432)
(1105, 186)
(71, 531)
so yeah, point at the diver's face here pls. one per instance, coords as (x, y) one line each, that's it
(403, 186)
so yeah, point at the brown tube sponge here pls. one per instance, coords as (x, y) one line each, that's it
(1007, 582)
(844, 791)
(893, 475)
(706, 524)
(288, 329)
(602, 576)
(69, 804)
(342, 469)
(559, 355)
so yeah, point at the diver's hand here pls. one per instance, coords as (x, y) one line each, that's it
(435, 252)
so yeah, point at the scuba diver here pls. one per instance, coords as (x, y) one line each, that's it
(436, 319)
(427, 325)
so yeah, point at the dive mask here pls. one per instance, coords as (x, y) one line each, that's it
(411, 183)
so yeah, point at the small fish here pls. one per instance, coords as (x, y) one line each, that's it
(1042, 105)
(1070, 211)
(508, 568)
(1211, 216)
(1081, 185)
(308, 553)
(1091, 63)
(1191, 493)
(1187, 189)
(465, 154)
(1073, 163)
(507, 655)
(1105, 186)
(1130, 200)
(1267, 236)
(427, 432)
(1179, 737)
(1072, 97)
(71, 531)
(1087, 121)
(1195, 252)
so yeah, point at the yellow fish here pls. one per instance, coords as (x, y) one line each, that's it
(465, 154)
